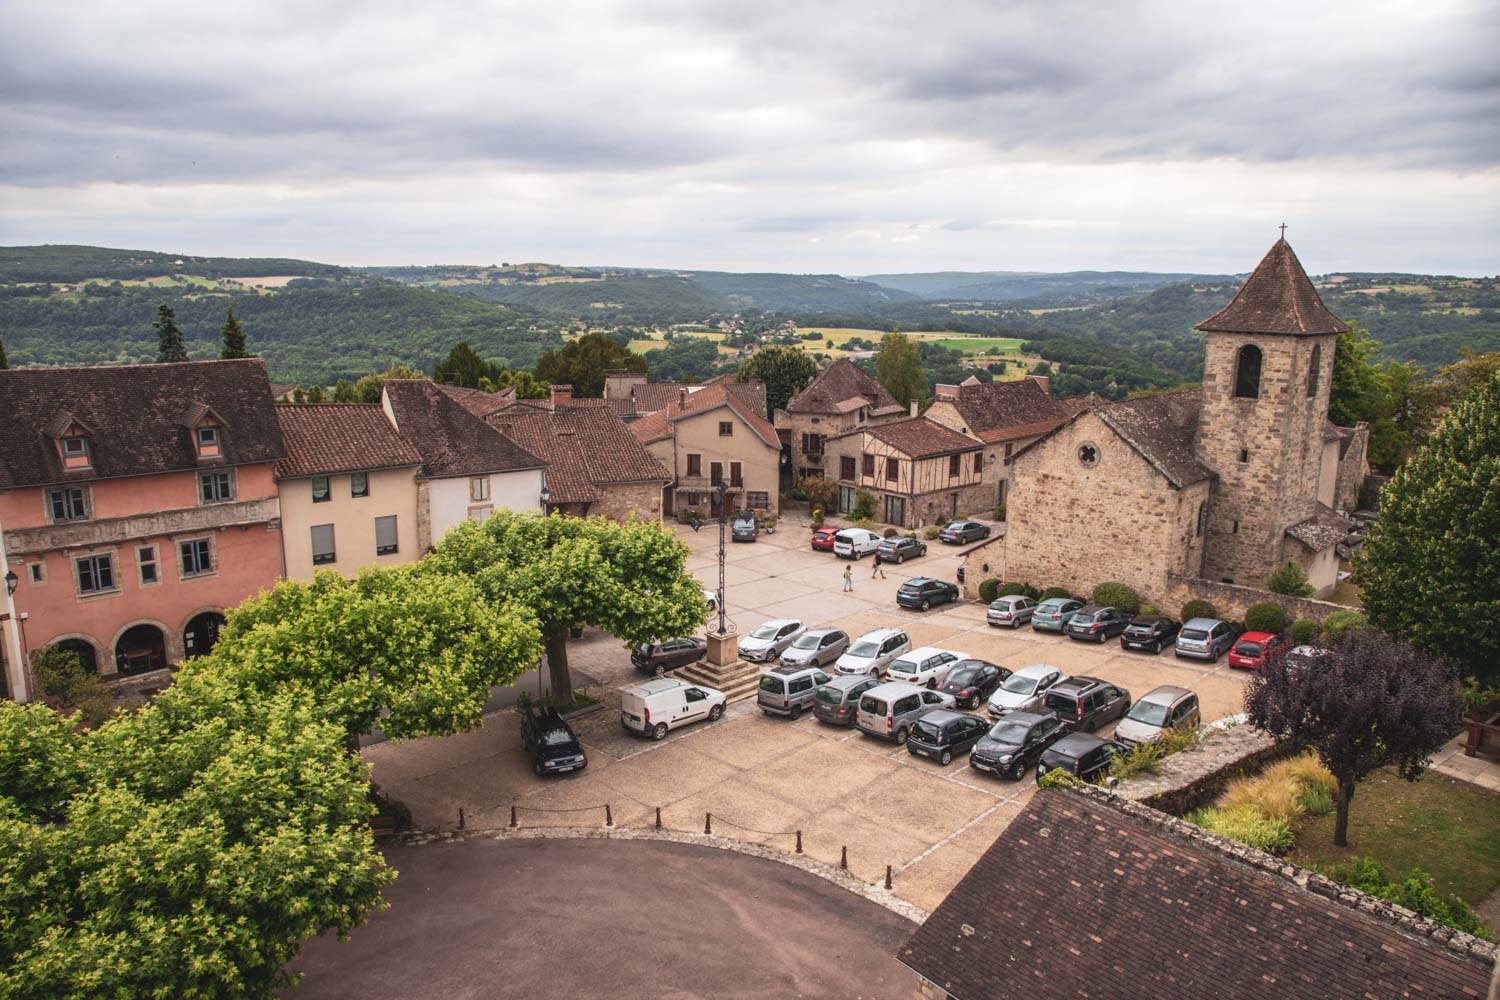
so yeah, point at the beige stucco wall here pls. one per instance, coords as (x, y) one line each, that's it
(392, 492)
(698, 433)
(448, 500)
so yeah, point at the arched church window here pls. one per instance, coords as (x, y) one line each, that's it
(1202, 518)
(1247, 372)
(1314, 368)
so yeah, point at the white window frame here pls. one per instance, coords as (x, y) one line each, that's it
(395, 545)
(333, 551)
(479, 488)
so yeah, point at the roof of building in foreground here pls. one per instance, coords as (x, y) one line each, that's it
(451, 440)
(1278, 297)
(586, 449)
(328, 438)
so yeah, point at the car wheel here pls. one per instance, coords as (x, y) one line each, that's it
(1156, 647)
(1016, 770)
(717, 712)
(660, 670)
(926, 604)
(1015, 624)
(537, 767)
(946, 758)
(901, 737)
(796, 712)
(900, 559)
(659, 731)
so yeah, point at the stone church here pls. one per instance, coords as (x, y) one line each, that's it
(1221, 484)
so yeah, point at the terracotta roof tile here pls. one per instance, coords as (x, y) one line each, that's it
(1162, 429)
(134, 414)
(585, 448)
(652, 427)
(479, 402)
(1276, 298)
(326, 438)
(1004, 411)
(654, 396)
(1322, 531)
(841, 381)
(920, 437)
(451, 440)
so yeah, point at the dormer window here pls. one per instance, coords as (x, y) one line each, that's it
(75, 452)
(208, 442)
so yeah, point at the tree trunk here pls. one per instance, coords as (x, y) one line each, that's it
(1341, 814)
(558, 677)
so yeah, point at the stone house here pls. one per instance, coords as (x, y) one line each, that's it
(840, 399)
(595, 465)
(1006, 416)
(712, 436)
(631, 396)
(1345, 465)
(348, 490)
(1221, 483)
(138, 503)
(919, 471)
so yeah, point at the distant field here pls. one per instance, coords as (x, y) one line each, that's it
(1400, 289)
(981, 345)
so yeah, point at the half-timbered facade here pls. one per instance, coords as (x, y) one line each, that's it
(918, 471)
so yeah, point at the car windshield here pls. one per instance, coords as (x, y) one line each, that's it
(1149, 713)
(809, 640)
(929, 732)
(772, 684)
(906, 666)
(1194, 633)
(964, 677)
(556, 737)
(765, 632)
(955, 526)
(1016, 684)
(1249, 649)
(1009, 732)
(864, 649)
(828, 695)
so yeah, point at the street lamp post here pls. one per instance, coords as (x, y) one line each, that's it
(546, 496)
(723, 521)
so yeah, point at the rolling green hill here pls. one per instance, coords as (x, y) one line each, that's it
(62, 263)
(1063, 288)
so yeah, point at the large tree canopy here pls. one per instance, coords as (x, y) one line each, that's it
(627, 579)
(899, 368)
(785, 371)
(584, 361)
(1430, 569)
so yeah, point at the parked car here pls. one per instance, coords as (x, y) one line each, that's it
(943, 735)
(816, 647)
(898, 550)
(837, 702)
(923, 592)
(890, 710)
(1251, 650)
(872, 652)
(1204, 639)
(1053, 614)
(1025, 690)
(712, 597)
(550, 742)
(963, 532)
(852, 543)
(1015, 743)
(822, 538)
(1010, 610)
(788, 690)
(924, 667)
(1160, 709)
(1081, 754)
(1096, 623)
(1149, 632)
(659, 657)
(651, 708)
(1086, 703)
(744, 528)
(768, 640)
(960, 573)
(972, 681)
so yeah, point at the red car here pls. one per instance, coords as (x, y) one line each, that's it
(822, 540)
(1252, 649)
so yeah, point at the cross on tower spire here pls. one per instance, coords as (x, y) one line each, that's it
(1283, 230)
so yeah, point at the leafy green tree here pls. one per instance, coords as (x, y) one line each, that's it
(785, 371)
(299, 395)
(1355, 390)
(343, 392)
(60, 675)
(463, 367)
(1430, 569)
(1289, 579)
(627, 579)
(1373, 701)
(898, 366)
(170, 346)
(583, 363)
(367, 388)
(316, 394)
(234, 338)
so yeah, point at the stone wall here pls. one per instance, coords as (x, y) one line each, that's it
(620, 500)
(1231, 600)
(1193, 778)
(1354, 466)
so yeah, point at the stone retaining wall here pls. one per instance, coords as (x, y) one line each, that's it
(1194, 777)
(1231, 599)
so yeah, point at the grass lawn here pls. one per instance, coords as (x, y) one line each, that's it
(1448, 828)
(980, 345)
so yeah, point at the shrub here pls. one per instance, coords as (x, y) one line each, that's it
(1305, 631)
(1291, 580)
(1271, 798)
(1143, 758)
(1017, 587)
(1052, 592)
(61, 675)
(1340, 624)
(1150, 609)
(1198, 609)
(1415, 892)
(817, 516)
(817, 491)
(1245, 826)
(1059, 778)
(1266, 617)
(863, 522)
(999, 511)
(989, 590)
(931, 533)
(890, 533)
(1316, 800)
(864, 505)
(1117, 595)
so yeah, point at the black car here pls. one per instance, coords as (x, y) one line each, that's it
(943, 735)
(1150, 632)
(1080, 754)
(550, 742)
(744, 528)
(972, 681)
(963, 532)
(1086, 703)
(1015, 743)
(1096, 623)
(659, 657)
(923, 592)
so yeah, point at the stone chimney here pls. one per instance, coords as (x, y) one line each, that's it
(682, 395)
(914, 405)
(562, 395)
(1043, 381)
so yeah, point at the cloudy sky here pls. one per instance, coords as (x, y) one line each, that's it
(848, 137)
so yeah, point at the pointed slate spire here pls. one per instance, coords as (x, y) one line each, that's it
(1276, 298)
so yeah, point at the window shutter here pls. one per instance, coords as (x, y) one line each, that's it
(322, 542)
(385, 534)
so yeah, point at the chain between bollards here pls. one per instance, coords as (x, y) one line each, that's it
(609, 817)
(887, 876)
(799, 841)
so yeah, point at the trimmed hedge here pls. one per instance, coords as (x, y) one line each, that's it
(1267, 616)
(1198, 609)
(989, 590)
(1052, 592)
(1341, 623)
(1117, 595)
(1017, 587)
(1305, 631)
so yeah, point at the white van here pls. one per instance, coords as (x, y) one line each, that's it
(654, 707)
(851, 543)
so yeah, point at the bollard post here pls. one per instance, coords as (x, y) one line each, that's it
(708, 823)
(658, 817)
(887, 876)
(609, 818)
(513, 816)
(799, 841)
(844, 857)
(460, 817)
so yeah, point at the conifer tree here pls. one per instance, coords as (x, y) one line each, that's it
(169, 337)
(234, 338)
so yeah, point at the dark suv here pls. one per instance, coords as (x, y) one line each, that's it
(1150, 632)
(923, 592)
(943, 735)
(1086, 703)
(1096, 623)
(659, 657)
(1080, 754)
(972, 681)
(1015, 743)
(550, 742)
(745, 529)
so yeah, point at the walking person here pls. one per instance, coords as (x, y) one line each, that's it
(848, 579)
(877, 571)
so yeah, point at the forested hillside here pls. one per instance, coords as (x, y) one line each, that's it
(1064, 288)
(63, 263)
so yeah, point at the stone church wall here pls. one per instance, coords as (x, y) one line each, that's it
(1231, 600)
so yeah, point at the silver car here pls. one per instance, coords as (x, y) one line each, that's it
(816, 647)
(1012, 610)
(788, 690)
(1161, 709)
(769, 640)
(1204, 639)
(837, 702)
(890, 710)
(1025, 690)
